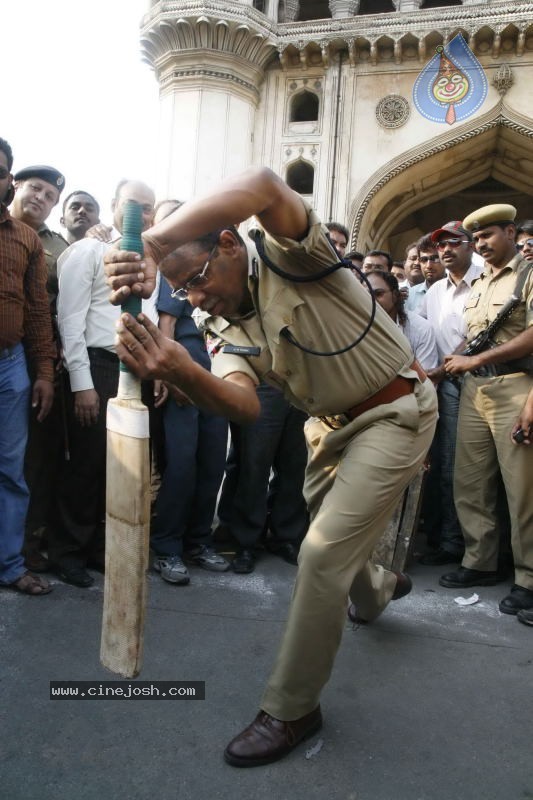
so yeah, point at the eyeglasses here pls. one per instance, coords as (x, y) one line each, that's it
(442, 243)
(197, 280)
(3, 173)
(425, 259)
(526, 243)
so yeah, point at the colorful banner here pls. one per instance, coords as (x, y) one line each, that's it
(452, 86)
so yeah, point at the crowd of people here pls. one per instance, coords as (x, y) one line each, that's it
(54, 453)
(235, 331)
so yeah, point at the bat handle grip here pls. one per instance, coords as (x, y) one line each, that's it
(132, 227)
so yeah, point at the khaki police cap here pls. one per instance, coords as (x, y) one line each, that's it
(48, 174)
(498, 213)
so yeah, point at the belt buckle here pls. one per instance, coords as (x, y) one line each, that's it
(334, 423)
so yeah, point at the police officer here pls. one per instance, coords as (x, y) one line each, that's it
(37, 191)
(496, 386)
(373, 412)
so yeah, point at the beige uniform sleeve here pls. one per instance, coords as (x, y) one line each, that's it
(224, 364)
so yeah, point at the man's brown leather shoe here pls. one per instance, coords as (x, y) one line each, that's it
(268, 739)
(404, 584)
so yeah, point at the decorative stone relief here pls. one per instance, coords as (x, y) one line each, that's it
(214, 25)
(342, 9)
(289, 10)
(503, 79)
(301, 152)
(305, 83)
(392, 111)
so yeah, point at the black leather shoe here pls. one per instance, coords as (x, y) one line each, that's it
(404, 584)
(465, 577)
(525, 616)
(435, 558)
(519, 599)
(77, 576)
(268, 739)
(244, 561)
(285, 550)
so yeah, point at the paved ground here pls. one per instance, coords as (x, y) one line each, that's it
(432, 702)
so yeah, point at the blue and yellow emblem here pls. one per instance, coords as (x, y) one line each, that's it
(452, 86)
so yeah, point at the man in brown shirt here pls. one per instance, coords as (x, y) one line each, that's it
(372, 411)
(25, 337)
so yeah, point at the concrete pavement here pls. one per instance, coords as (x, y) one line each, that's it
(433, 701)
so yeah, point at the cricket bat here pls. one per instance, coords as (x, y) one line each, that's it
(127, 503)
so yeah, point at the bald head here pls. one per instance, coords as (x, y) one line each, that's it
(140, 193)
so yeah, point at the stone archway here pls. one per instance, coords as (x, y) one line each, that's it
(495, 147)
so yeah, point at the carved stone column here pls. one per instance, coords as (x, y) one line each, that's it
(289, 10)
(409, 5)
(209, 71)
(342, 9)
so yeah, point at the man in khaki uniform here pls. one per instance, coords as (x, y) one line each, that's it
(496, 385)
(373, 412)
(523, 429)
(38, 189)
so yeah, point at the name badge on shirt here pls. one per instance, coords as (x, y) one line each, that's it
(241, 350)
(472, 301)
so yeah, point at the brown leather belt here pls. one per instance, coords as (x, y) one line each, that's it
(392, 391)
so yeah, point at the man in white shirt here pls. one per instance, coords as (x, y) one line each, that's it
(443, 307)
(86, 322)
(432, 271)
(411, 265)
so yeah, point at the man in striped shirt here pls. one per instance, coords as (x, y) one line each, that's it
(25, 337)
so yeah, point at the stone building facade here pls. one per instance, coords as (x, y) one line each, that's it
(321, 92)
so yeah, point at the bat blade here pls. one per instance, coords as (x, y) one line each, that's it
(127, 535)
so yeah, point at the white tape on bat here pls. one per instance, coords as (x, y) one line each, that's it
(128, 421)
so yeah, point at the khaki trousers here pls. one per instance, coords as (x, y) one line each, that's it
(488, 410)
(355, 477)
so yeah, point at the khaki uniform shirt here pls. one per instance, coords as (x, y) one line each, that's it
(53, 245)
(491, 291)
(324, 315)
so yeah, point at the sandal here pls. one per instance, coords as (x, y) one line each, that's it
(31, 584)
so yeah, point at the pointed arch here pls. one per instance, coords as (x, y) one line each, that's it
(496, 145)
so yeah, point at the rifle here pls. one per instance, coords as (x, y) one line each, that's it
(483, 341)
